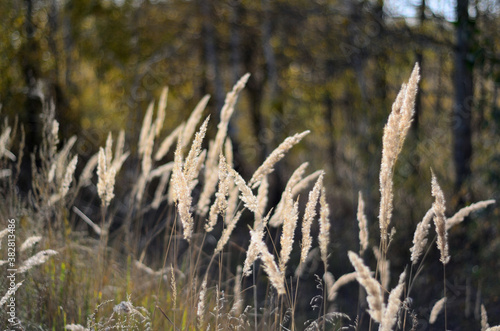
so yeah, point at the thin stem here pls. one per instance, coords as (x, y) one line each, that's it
(254, 296)
(445, 311)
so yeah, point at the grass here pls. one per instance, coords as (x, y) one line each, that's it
(105, 246)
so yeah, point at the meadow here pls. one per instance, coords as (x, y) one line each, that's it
(164, 233)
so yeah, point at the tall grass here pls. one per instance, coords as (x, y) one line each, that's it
(162, 253)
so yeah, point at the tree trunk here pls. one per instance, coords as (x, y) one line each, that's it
(212, 65)
(420, 60)
(463, 81)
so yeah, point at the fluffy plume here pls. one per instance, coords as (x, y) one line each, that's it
(228, 151)
(262, 196)
(276, 155)
(232, 202)
(289, 225)
(238, 301)
(86, 175)
(466, 211)
(192, 160)
(160, 116)
(393, 304)
(256, 236)
(344, 279)
(193, 120)
(226, 233)
(62, 159)
(216, 147)
(363, 224)
(395, 132)
(383, 268)
(220, 204)
(296, 176)
(247, 195)
(168, 142)
(182, 194)
(68, 176)
(440, 220)
(270, 268)
(106, 178)
(30, 242)
(420, 236)
(438, 307)
(200, 313)
(309, 215)
(324, 228)
(119, 147)
(484, 319)
(305, 182)
(146, 128)
(375, 298)
(37, 259)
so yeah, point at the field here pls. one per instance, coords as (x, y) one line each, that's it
(164, 233)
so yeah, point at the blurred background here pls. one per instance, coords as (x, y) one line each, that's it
(333, 67)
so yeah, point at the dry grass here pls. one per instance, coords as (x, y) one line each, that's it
(213, 281)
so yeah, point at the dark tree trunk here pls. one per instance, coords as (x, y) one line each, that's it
(420, 60)
(34, 98)
(463, 81)
(211, 61)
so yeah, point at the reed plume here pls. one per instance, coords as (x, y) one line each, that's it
(309, 215)
(466, 211)
(436, 309)
(268, 166)
(363, 225)
(375, 298)
(420, 236)
(289, 224)
(395, 132)
(324, 228)
(296, 176)
(440, 220)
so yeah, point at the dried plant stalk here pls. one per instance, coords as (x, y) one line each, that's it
(324, 228)
(395, 132)
(192, 160)
(226, 233)
(440, 220)
(193, 120)
(267, 167)
(37, 259)
(484, 319)
(182, 195)
(296, 176)
(436, 309)
(160, 115)
(420, 236)
(270, 268)
(363, 224)
(343, 280)
(309, 215)
(146, 128)
(466, 211)
(200, 313)
(375, 298)
(168, 142)
(289, 225)
(238, 301)
(393, 305)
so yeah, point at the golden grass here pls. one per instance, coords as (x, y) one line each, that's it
(208, 198)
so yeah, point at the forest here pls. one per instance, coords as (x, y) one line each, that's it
(149, 147)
